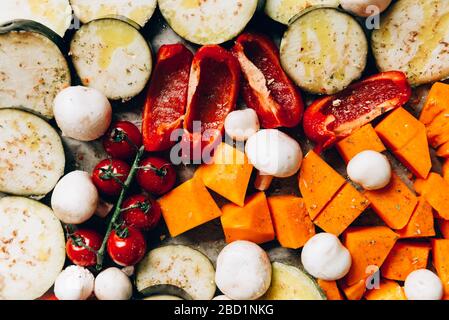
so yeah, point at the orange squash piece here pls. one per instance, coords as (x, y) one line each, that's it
(404, 258)
(292, 224)
(343, 209)
(394, 204)
(421, 223)
(440, 250)
(438, 130)
(187, 207)
(436, 103)
(443, 150)
(355, 291)
(388, 290)
(363, 139)
(436, 191)
(229, 174)
(252, 222)
(398, 128)
(318, 183)
(330, 290)
(445, 170)
(369, 246)
(415, 155)
(444, 227)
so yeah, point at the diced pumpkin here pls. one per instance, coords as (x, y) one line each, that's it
(418, 185)
(292, 224)
(369, 246)
(445, 170)
(187, 207)
(318, 183)
(355, 291)
(330, 290)
(438, 129)
(252, 222)
(415, 155)
(436, 191)
(342, 210)
(388, 290)
(444, 227)
(229, 174)
(398, 128)
(404, 258)
(394, 204)
(436, 103)
(443, 150)
(363, 139)
(440, 250)
(439, 139)
(421, 223)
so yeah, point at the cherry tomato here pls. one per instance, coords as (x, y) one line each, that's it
(156, 175)
(109, 176)
(81, 247)
(141, 211)
(122, 140)
(126, 246)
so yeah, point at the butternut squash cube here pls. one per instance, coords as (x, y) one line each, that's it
(404, 258)
(291, 221)
(421, 223)
(318, 183)
(229, 174)
(355, 291)
(330, 290)
(436, 191)
(438, 130)
(252, 222)
(436, 103)
(388, 290)
(444, 227)
(395, 203)
(443, 150)
(363, 139)
(369, 246)
(440, 249)
(187, 207)
(342, 210)
(445, 170)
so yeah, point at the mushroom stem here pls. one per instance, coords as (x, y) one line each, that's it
(263, 181)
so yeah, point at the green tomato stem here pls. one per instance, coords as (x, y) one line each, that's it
(117, 209)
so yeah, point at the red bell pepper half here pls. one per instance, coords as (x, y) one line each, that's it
(167, 97)
(213, 91)
(334, 117)
(265, 86)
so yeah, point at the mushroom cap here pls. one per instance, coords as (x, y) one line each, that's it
(74, 283)
(423, 284)
(370, 169)
(274, 153)
(113, 284)
(365, 8)
(240, 125)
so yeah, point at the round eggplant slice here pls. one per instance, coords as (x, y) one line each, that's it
(112, 56)
(208, 21)
(55, 14)
(283, 11)
(179, 266)
(32, 248)
(324, 50)
(414, 38)
(33, 69)
(139, 11)
(32, 156)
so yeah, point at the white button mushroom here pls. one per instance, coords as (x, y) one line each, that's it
(365, 8)
(222, 297)
(423, 284)
(242, 124)
(82, 113)
(74, 283)
(75, 198)
(274, 154)
(113, 284)
(324, 257)
(370, 169)
(243, 271)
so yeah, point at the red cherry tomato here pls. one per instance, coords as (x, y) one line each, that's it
(122, 140)
(81, 247)
(126, 246)
(109, 176)
(156, 176)
(141, 211)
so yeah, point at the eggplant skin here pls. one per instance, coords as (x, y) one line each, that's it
(414, 38)
(33, 69)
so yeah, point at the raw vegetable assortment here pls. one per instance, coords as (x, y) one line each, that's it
(346, 187)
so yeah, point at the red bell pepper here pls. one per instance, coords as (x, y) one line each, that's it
(334, 117)
(265, 86)
(213, 91)
(167, 97)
